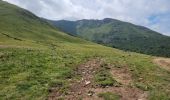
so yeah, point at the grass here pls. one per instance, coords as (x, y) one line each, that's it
(47, 57)
(29, 73)
(109, 96)
(104, 78)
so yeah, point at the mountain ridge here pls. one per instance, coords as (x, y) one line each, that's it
(118, 34)
(51, 21)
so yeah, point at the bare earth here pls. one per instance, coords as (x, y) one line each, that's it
(9, 46)
(85, 89)
(163, 63)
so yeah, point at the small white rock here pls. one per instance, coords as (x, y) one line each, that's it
(87, 82)
(86, 66)
(83, 72)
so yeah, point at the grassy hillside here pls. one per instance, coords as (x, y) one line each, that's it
(35, 57)
(21, 25)
(118, 34)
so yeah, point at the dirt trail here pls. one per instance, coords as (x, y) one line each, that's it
(122, 75)
(8, 46)
(85, 89)
(15, 46)
(80, 88)
(126, 93)
(163, 63)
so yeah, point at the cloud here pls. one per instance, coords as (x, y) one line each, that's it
(154, 14)
(161, 23)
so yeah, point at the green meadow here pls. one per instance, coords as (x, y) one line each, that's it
(35, 56)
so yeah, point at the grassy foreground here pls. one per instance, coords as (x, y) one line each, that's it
(34, 57)
(28, 73)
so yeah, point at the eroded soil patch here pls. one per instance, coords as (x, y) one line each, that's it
(86, 89)
(163, 63)
(80, 88)
(126, 92)
(122, 75)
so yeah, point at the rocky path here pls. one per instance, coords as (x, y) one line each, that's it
(85, 88)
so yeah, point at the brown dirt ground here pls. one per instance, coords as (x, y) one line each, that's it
(122, 75)
(14, 46)
(85, 89)
(163, 63)
(9, 46)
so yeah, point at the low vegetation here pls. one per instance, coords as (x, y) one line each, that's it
(109, 96)
(104, 78)
(47, 58)
(29, 74)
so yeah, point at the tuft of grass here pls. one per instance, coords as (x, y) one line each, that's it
(143, 87)
(109, 96)
(104, 78)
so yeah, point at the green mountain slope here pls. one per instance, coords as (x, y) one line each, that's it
(118, 34)
(38, 62)
(19, 24)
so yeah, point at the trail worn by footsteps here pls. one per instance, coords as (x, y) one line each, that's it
(122, 75)
(80, 88)
(126, 92)
(85, 89)
(163, 63)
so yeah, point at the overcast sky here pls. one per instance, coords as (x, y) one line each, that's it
(154, 14)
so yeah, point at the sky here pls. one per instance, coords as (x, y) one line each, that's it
(154, 14)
